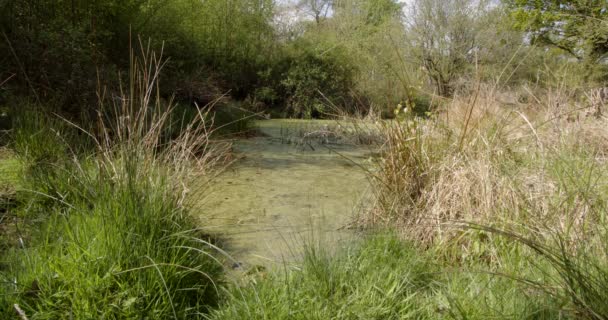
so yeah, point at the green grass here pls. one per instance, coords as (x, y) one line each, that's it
(383, 277)
(107, 246)
(102, 232)
(9, 168)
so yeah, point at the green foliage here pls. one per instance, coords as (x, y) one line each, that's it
(369, 12)
(578, 27)
(366, 35)
(362, 52)
(58, 49)
(316, 79)
(9, 169)
(39, 137)
(235, 38)
(444, 37)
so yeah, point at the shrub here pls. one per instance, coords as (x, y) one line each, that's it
(315, 80)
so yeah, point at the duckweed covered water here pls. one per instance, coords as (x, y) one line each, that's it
(290, 186)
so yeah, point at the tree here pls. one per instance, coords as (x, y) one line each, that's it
(367, 31)
(369, 12)
(318, 9)
(443, 37)
(578, 27)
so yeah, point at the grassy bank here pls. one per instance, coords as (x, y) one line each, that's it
(100, 247)
(383, 277)
(540, 163)
(102, 230)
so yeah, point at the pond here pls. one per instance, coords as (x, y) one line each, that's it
(292, 185)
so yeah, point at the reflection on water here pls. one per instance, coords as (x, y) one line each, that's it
(280, 195)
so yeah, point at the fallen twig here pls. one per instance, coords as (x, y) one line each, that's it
(20, 312)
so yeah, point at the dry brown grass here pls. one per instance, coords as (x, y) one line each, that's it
(482, 161)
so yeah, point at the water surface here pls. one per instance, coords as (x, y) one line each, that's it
(290, 186)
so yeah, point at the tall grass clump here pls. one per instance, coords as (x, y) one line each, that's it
(517, 191)
(571, 251)
(477, 159)
(114, 237)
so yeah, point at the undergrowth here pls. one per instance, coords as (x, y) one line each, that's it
(482, 181)
(105, 233)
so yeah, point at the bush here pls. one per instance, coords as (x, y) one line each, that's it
(316, 80)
